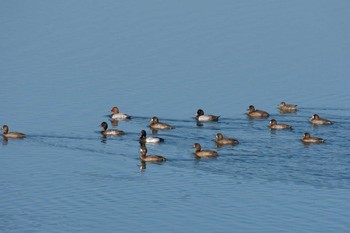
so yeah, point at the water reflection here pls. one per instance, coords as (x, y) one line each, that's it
(4, 140)
(142, 166)
(114, 122)
(219, 145)
(287, 111)
(154, 131)
(199, 124)
(197, 159)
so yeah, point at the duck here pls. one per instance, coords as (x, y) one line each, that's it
(308, 139)
(203, 153)
(316, 120)
(287, 107)
(254, 113)
(110, 132)
(145, 139)
(117, 115)
(273, 125)
(7, 134)
(150, 158)
(201, 117)
(155, 124)
(220, 140)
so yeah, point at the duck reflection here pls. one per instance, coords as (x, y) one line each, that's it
(142, 166)
(290, 111)
(4, 140)
(114, 122)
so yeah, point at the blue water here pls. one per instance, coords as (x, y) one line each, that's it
(64, 65)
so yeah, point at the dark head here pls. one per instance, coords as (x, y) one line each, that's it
(104, 125)
(143, 150)
(251, 108)
(5, 129)
(115, 110)
(306, 135)
(154, 120)
(315, 116)
(197, 146)
(282, 104)
(143, 134)
(273, 122)
(219, 136)
(200, 112)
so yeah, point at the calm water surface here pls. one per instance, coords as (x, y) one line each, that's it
(65, 64)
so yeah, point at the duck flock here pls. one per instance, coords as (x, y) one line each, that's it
(220, 140)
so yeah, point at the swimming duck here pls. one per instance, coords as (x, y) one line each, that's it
(203, 153)
(150, 158)
(316, 120)
(117, 115)
(8, 134)
(287, 107)
(110, 132)
(201, 117)
(253, 113)
(220, 140)
(155, 124)
(145, 139)
(308, 139)
(273, 125)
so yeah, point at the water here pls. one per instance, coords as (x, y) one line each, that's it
(65, 64)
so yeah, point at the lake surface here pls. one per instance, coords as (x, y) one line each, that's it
(65, 64)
